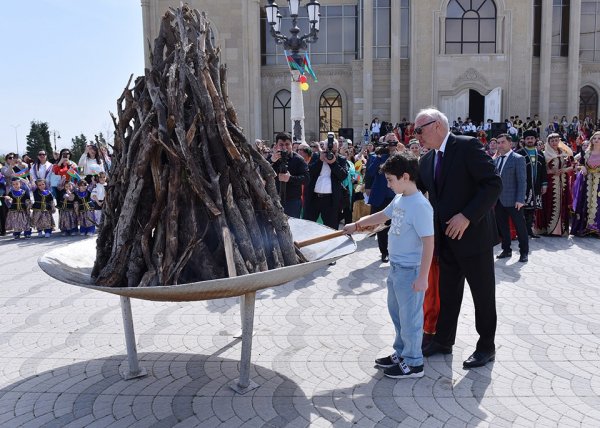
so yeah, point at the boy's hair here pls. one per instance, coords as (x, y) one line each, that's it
(401, 163)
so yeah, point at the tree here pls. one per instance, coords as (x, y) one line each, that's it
(38, 139)
(78, 147)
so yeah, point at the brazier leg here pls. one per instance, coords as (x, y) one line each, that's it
(244, 384)
(134, 369)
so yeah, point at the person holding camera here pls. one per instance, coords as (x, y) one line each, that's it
(292, 174)
(324, 192)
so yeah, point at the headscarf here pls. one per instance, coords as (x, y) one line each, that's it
(550, 153)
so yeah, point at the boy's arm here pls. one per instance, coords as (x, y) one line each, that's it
(370, 220)
(421, 281)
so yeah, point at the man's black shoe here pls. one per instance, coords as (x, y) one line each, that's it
(435, 348)
(385, 258)
(504, 254)
(534, 236)
(524, 258)
(479, 359)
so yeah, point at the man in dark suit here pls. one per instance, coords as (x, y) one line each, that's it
(511, 168)
(463, 186)
(323, 195)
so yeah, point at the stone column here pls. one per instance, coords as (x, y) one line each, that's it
(395, 62)
(367, 27)
(252, 76)
(147, 33)
(573, 64)
(545, 62)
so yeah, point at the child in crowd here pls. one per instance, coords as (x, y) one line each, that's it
(67, 219)
(98, 193)
(411, 250)
(43, 208)
(18, 202)
(84, 208)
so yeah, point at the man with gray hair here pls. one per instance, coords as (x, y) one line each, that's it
(463, 187)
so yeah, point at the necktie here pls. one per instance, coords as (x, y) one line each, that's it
(501, 163)
(437, 173)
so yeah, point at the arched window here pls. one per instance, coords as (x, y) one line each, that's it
(588, 103)
(281, 113)
(471, 27)
(330, 112)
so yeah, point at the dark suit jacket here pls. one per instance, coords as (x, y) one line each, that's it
(339, 172)
(469, 185)
(514, 180)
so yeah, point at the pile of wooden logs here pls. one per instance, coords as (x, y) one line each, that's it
(189, 199)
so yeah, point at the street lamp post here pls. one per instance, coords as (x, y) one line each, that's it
(56, 135)
(16, 138)
(295, 44)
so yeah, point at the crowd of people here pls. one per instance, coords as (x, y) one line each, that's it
(32, 192)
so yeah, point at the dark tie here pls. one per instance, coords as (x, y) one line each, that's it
(501, 163)
(437, 172)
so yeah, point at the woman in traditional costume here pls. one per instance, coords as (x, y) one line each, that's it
(586, 191)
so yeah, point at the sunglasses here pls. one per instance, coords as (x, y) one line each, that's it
(10, 158)
(419, 129)
(41, 154)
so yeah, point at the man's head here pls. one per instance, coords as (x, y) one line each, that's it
(431, 128)
(399, 170)
(295, 145)
(530, 137)
(305, 151)
(283, 142)
(504, 144)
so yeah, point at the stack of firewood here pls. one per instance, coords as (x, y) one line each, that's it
(189, 199)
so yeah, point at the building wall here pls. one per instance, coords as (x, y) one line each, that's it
(425, 79)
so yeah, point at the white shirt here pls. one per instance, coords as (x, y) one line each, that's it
(323, 184)
(506, 156)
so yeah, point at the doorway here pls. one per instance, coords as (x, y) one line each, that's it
(476, 107)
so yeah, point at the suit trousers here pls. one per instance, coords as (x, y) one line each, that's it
(323, 205)
(502, 215)
(382, 237)
(478, 270)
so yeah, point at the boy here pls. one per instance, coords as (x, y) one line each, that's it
(410, 251)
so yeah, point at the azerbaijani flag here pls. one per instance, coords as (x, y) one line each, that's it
(22, 174)
(303, 65)
(72, 172)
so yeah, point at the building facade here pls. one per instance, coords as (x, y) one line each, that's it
(483, 59)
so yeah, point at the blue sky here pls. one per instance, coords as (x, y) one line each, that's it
(66, 62)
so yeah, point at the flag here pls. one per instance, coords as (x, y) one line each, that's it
(308, 67)
(302, 65)
(22, 174)
(73, 174)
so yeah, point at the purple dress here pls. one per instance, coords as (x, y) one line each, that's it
(586, 196)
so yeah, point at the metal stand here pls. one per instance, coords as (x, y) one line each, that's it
(132, 358)
(244, 384)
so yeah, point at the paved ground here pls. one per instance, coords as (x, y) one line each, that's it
(61, 348)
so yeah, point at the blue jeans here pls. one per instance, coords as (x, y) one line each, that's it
(406, 309)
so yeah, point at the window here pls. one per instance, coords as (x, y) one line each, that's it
(337, 36)
(589, 42)
(381, 28)
(330, 112)
(588, 103)
(281, 112)
(471, 27)
(560, 27)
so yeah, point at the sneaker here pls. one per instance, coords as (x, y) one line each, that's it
(40, 234)
(47, 235)
(403, 371)
(389, 361)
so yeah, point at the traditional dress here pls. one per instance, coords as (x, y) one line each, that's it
(85, 208)
(536, 179)
(553, 218)
(18, 219)
(67, 219)
(42, 209)
(586, 196)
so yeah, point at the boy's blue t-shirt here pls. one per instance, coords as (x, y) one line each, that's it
(412, 219)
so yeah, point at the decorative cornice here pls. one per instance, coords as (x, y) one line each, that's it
(471, 75)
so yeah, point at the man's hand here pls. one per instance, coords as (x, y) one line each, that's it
(284, 177)
(544, 189)
(457, 226)
(420, 284)
(275, 156)
(519, 205)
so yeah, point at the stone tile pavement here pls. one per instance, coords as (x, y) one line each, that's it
(315, 340)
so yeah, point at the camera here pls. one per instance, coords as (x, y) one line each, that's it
(285, 158)
(329, 149)
(65, 156)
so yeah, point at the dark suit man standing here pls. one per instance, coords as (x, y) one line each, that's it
(463, 186)
(511, 168)
(323, 195)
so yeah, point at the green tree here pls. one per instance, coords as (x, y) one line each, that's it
(78, 147)
(38, 139)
